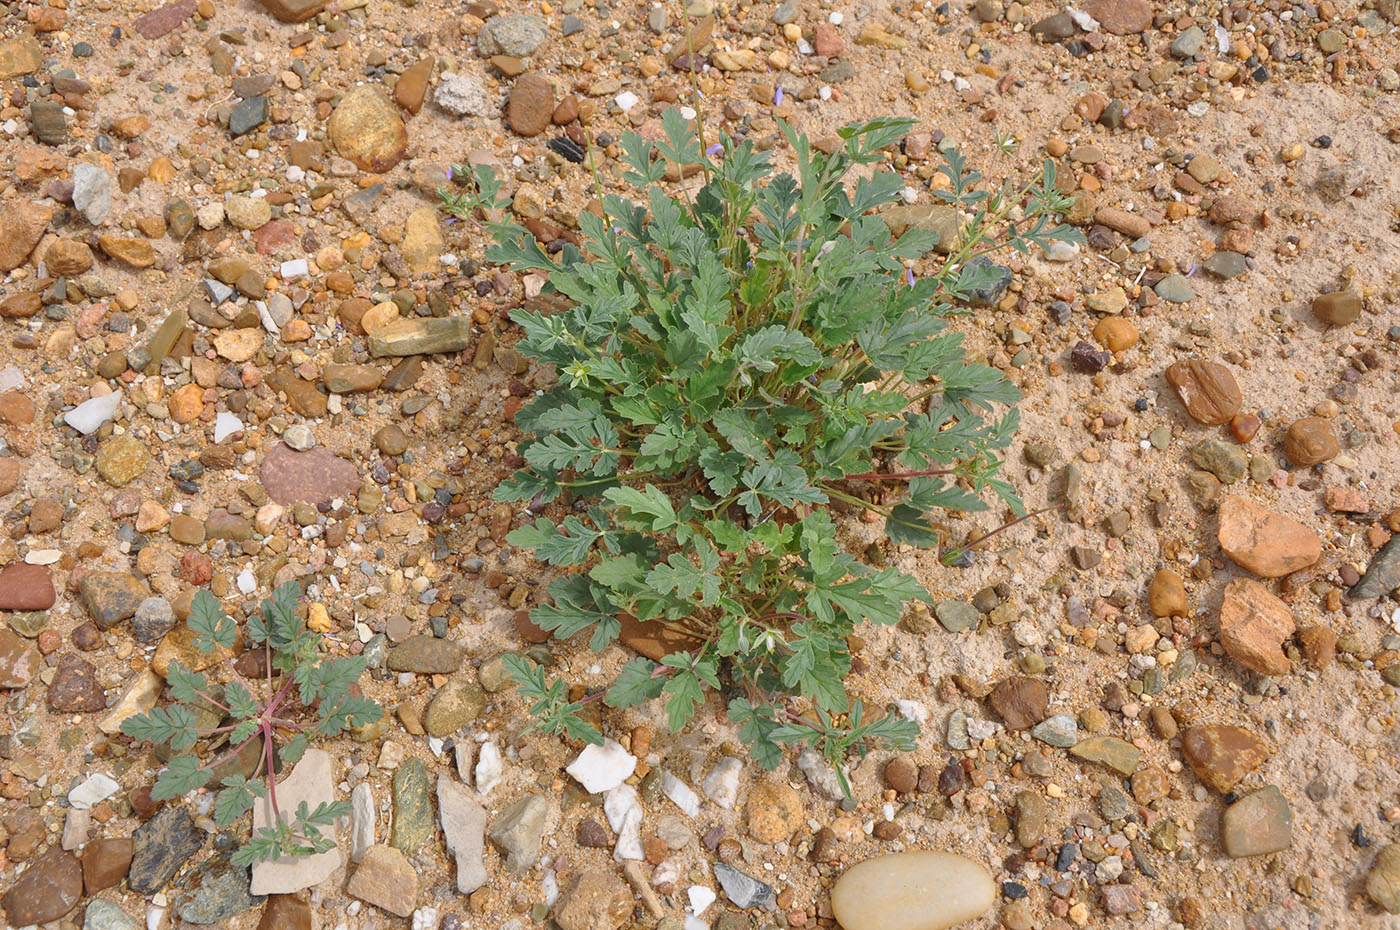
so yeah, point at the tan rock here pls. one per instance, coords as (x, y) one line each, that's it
(187, 403)
(1166, 597)
(367, 129)
(1310, 441)
(238, 345)
(67, 257)
(22, 225)
(1267, 543)
(379, 316)
(1254, 625)
(423, 241)
(138, 253)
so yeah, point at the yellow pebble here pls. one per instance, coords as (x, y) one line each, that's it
(318, 620)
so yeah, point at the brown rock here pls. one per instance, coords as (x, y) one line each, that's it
(1337, 308)
(1120, 17)
(1309, 441)
(19, 56)
(1123, 221)
(654, 640)
(1020, 701)
(22, 225)
(1115, 333)
(111, 597)
(1207, 389)
(531, 104)
(1319, 645)
(285, 912)
(293, 11)
(75, 687)
(594, 899)
(18, 661)
(9, 475)
(1222, 755)
(20, 306)
(902, 775)
(413, 84)
(1254, 626)
(367, 129)
(1267, 543)
(48, 890)
(68, 257)
(186, 530)
(1166, 597)
(350, 379)
(773, 811)
(138, 253)
(163, 20)
(314, 476)
(106, 862)
(385, 879)
(16, 409)
(26, 587)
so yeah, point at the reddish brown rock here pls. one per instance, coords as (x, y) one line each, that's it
(1222, 755)
(20, 306)
(75, 687)
(19, 660)
(1254, 626)
(48, 890)
(1319, 645)
(16, 409)
(1310, 441)
(106, 862)
(1207, 390)
(25, 587)
(531, 104)
(285, 912)
(1120, 17)
(1267, 543)
(314, 476)
(412, 85)
(1020, 701)
(1166, 597)
(594, 899)
(163, 20)
(22, 225)
(9, 475)
(293, 11)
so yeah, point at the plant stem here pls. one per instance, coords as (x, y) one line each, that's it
(232, 752)
(271, 774)
(899, 475)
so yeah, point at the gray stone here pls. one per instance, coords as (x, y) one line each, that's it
(956, 616)
(102, 914)
(216, 890)
(518, 830)
(161, 846)
(413, 807)
(464, 827)
(744, 890)
(1382, 575)
(152, 620)
(92, 192)
(1175, 289)
(362, 817)
(247, 115)
(1226, 265)
(1188, 43)
(1114, 804)
(990, 281)
(514, 34)
(461, 94)
(786, 12)
(956, 735)
(1057, 730)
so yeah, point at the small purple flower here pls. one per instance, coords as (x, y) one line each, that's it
(778, 97)
(449, 172)
(909, 276)
(714, 149)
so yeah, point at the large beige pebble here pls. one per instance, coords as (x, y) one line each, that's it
(912, 891)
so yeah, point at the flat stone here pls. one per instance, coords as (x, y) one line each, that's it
(515, 34)
(518, 830)
(992, 281)
(19, 661)
(1226, 265)
(48, 122)
(1020, 701)
(1382, 575)
(1257, 825)
(412, 85)
(162, 845)
(1227, 461)
(1222, 755)
(940, 219)
(313, 781)
(293, 11)
(1266, 543)
(423, 242)
(351, 379)
(129, 250)
(101, 914)
(773, 811)
(422, 336)
(315, 476)
(92, 196)
(413, 807)
(22, 225)
(367, 129)
(49, 889)
(1120, 17)
(531, 104)
(106, 862)
(1175, 289)
(19, 56)
(426, 655)
(165, 19)
(593, 899)
(742, 889)
(26, 587)
(924, 890)
(111, 597)
(1058, 730)
(1383, 881)
(140, 696)
(1120, 755)
(602, 768)
(1207, 389)
(75, 688)
(1254, 625)
(464, 828)
(246, 116)
(386, 879)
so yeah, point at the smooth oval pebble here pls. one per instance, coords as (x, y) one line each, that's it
(912, 891)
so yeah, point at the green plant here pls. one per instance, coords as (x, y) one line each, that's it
(313, 699)
(733, 362)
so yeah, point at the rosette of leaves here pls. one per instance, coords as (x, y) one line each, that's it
(733, 362)
(303, 696)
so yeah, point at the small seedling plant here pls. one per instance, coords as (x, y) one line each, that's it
(303, 696)
(737, 358)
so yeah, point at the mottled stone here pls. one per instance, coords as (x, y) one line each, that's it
(1020, 701)
(1222, 755)
(1267, 543)
(367, 129)
(46, 891)
(162, 845)
(315, 476)
(111, 597)
(1254, 626)
(593, 899)
(386, 879)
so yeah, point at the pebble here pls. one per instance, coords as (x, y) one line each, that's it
(531, 104)
(518, 830)
(386, 879)
(463, 826)
(92, 193)
(1115, 334)
(285, 912)
(315, 476)
(1382, 575)
(1057, 730)
(1257, 825)
(1029, 812)
(1119, 755)
(773, 811)
(956, 616)
(1254, 625)
(742, 889)
(1221, 755)
(1264, 542)
(1226, 265)
(46, 891)
(1207, 390)
(1226, 461)
(366, 128)
(19, 661)
(111, 597)
(722, 784)
(924, 890)
(1383, 881)
(456, 704)
(593, 899)
(1310, 441)
(106, 862)
(461, 94)
(518, 35)
(1175, 289)
(101, 914)
(1166, 597)
(75, 688)
(1020, 701)
(1120, 17)
(214, 891)
(247, 115)
(26, 587)
(1337, 308)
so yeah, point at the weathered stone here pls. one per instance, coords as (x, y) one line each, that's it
(1267, 543)
(939, 219)
(594, 899)
(412, 85)
(1222, 755)
(164, 19)
(1382, 575)
(19, 56)
(386, 879)
(1119, 755)
(129, 250)
(518, 830)
(19, 661)
(454, 706)
(75, 688)
(161, 846)
(426, 655)
(1207, 389)
(367, 129)
(464, 828)
(315, 476)
(773, 811)
(49, 889)
(214, 892)
(513, 34)
(1020, 701)
(1310, 441)
(422, 336)
(26, 587)
(22, 225)
(413, 807)
(111, 597)
(106, 862)
(312, 781)
(1254, 626)
(293, 11)
(1383, 881)
(1257, 825)
(531, 104)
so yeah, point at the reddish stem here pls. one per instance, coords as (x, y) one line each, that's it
(232, 752)
(271, 775)
(220, 706)
(898, 475)
(1006, 526)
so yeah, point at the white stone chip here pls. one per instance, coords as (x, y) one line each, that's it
(88, 417)
(602, 768)
(96, 789)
